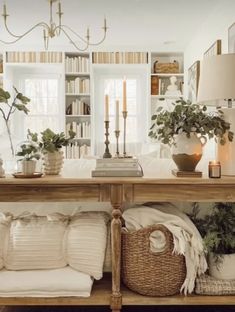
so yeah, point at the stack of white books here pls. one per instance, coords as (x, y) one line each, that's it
(117, 167)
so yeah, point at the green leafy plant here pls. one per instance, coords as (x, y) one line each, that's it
(29, 150)
(7, 109)
(187, 117)
(51, 142)
(217, 228)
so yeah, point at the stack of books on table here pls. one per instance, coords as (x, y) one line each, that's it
(117, 167)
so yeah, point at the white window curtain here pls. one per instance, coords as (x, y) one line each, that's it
(45, 108)
(112, 84)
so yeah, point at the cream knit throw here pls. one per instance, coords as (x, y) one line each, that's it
(187, 240)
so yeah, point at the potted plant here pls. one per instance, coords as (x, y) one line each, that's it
(218, 231)
(7, 109)
(51, 146)
(185, 129)
(30, 153)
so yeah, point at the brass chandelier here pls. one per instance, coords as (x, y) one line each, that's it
(51, 30)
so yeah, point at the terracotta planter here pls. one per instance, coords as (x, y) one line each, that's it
(187, 152)
(224, 269)
(28, 166)
(53, 162)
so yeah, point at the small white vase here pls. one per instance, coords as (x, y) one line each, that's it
(224, 269)
(28, 166)
(53, 162)
(187, 152)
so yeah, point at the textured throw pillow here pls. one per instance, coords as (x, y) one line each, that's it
(36, 243)
(86, 242)
(5, 220)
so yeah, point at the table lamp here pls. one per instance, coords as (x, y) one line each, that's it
(216, 83)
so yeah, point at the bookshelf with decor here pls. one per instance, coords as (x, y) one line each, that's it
(78, 103)
(166, 79)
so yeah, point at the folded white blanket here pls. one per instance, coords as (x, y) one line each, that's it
(64, 282)
(187, 240)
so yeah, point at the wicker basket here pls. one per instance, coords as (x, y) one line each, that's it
(148, 273)
(172, 68)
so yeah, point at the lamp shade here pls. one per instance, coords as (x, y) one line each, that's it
(217, 78)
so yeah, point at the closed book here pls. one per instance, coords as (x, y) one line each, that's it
(116, 160)
(117, 165)
(190, 174)
(116, 173)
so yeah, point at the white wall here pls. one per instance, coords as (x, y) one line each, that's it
(215, 27)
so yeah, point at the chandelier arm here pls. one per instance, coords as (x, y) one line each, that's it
(82, 39)
(62, 27)
(44, 25)
(73, 43)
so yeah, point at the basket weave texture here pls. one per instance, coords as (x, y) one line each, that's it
(148, 273)
(207, 285)
(166, 67)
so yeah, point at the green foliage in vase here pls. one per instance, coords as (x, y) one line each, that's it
(217, 228)
(29, 150)
(189, 118)
(19, 103)
(51, 142)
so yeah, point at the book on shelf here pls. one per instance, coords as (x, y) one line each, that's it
(34, 57)
(185, 174)
(77, 64)
(119, 57)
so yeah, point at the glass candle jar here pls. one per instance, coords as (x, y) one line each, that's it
(214, 169)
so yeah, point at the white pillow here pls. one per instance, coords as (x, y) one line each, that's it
(5, 220)
(86, 242)
(36, 243)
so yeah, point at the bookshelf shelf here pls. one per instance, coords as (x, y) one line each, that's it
(77, 103)
(168, 75)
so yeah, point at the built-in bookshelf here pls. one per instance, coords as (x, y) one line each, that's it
(77, 103)
(34, 57)
(119, 57)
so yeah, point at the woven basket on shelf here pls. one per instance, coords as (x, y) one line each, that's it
(148, 273)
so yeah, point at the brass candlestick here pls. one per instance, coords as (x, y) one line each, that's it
(106, 152)
(124, 114)
(117, 133)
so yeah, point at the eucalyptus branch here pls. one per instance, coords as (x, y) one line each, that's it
(19, 103)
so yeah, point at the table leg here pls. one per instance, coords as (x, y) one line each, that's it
(116, 201)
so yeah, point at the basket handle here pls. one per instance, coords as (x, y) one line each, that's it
(168, 236)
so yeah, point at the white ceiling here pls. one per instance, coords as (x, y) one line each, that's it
(143, 24)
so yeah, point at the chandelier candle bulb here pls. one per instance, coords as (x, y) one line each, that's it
(214, 169)
(106, 111)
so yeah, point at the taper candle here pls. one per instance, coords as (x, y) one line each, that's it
(124, 95)
(106, 110)
(117, 116)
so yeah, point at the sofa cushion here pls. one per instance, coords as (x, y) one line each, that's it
(86, 242)
(36, 242)
(5, 220)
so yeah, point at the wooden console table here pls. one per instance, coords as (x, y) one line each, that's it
(117, 190)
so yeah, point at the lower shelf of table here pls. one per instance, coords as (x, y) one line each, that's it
(101, 293)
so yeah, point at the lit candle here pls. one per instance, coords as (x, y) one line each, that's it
(106, 111)
(214, 169)
(124, 95)
(117, 116)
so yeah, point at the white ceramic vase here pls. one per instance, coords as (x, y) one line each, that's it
(224, 269)
(53, 162)
(28, 166)
(187, 152)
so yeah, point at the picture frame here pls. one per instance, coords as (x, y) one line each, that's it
(214, 49)
(193, 80)
(231, 38)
